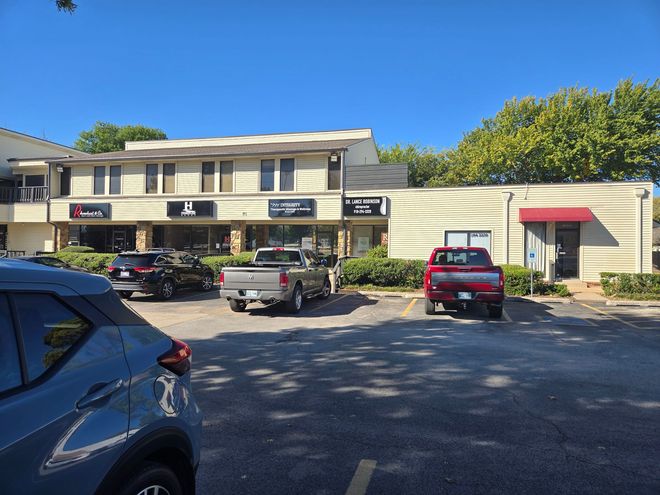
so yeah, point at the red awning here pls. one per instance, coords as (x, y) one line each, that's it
(555, 215)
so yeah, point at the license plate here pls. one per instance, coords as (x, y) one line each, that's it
(465, 295)
(124, 274)
(251, 293)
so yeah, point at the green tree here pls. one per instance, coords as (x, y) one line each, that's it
(656, 209)
(571, 136)
(104, 137)
(66, 5)
(423, 162)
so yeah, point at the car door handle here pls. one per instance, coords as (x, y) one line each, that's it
(105, 391)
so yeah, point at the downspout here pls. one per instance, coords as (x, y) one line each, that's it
(341, 200)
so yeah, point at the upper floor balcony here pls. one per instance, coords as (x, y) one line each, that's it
(29, 194)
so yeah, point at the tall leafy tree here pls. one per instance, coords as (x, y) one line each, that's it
(104, 137)
(573, 135)
(66, 5)
(423, 162)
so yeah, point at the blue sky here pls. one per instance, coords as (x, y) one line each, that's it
(421, 71)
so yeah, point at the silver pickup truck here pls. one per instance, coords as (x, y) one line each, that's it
(276, 274)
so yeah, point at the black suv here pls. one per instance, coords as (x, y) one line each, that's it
(160, 272)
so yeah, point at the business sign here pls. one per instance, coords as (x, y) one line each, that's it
(190, 208)
(369, 207)
(80, 211)
(290, 207)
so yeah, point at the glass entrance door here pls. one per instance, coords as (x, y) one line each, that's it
(567, 235)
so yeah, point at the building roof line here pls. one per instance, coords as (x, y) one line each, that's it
(22, 134)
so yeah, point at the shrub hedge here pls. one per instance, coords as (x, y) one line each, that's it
(644, 286)
(392, 272)
(377, 252)
(217, 263)
(94, 262)
(384, 272)
(77, 249)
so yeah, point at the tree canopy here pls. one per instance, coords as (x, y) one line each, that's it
(66, 5)
(573, 135)
(104, 137)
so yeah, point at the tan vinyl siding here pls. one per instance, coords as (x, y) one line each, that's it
(311, 173)
(82, 180)
(30, 237)
(30, 212)
(247, 173)
(420, 218)
(188, 178)
(133, 179)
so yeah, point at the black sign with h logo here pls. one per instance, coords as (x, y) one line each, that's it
(190, 208)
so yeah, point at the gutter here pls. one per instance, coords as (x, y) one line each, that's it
(57, 229)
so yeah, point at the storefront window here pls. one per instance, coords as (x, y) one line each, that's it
(321, 239)
(474, 238)
(275, 235)
(196, 239)
(3, 237)
(103, 238)
(250, 238)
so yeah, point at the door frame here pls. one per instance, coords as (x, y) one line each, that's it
(578, 267)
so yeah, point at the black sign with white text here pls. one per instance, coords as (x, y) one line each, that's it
(367, 207)
(190, 208)
(290, 207)
(79, 211)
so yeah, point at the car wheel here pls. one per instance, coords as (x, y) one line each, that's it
(237, 306)
(125, 294)
(167, 289)
(295, 303)
(430, 307)
(327, 289)
(153, 478)
(207, 282)
(495, 311)
(450, 306)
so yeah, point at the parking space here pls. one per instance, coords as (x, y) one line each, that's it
(376, 396)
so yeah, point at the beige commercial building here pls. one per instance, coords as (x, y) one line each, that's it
(322, 190)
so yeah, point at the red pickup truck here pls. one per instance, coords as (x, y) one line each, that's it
(458, 277)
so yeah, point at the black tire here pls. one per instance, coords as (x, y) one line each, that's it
(151, 474)
(295, 303)
(450, 306)
(327, 289)
(207, 282)
(167, 289)
(237, 306)
(430, 307)
(125, 294)
(495, 311)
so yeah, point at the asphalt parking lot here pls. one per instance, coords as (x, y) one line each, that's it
(356, 396)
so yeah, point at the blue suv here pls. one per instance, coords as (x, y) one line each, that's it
(93, 399)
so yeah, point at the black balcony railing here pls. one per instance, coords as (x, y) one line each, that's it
(30, 194)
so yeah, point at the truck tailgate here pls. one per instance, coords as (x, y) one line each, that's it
(471, 279)
(252, 278)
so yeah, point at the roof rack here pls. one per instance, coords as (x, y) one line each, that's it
(161, 250)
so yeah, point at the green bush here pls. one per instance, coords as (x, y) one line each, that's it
(217, 263)
(377, 252)
(77, 249)
(644, 286)
(516, 280)
(94, 262)
(384, 272)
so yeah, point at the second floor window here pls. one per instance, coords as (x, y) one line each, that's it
(287, 172)
(226, 176)
(169, 171)
(208, 176)
(65, 181)
(34, 180)
(115, 179)
(152, 178)
(267, 175)
(99, 180)
(334, 173)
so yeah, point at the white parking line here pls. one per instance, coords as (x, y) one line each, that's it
(361, 478)
(506, 315)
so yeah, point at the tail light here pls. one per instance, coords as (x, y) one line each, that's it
(221, 279)
(177, 359)
(501, 279)
(284, 280)
(110, 268)
(144, 269)
(427, 278)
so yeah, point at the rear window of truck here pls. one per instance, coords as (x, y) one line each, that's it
(460, 257)
(291, 257)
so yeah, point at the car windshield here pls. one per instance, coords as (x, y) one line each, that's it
(460, 257)
(133, 260)
(283, 257)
